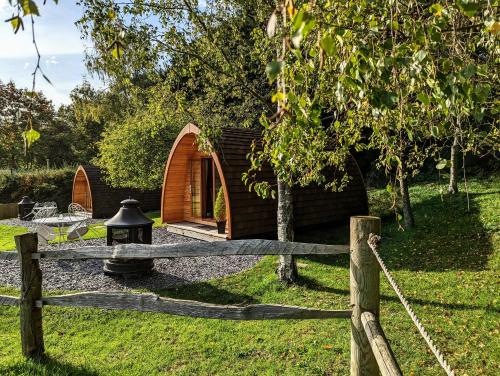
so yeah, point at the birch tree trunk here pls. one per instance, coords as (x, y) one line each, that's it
(287, 269)
(453, 184)
(409, 220)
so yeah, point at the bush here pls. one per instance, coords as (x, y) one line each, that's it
(220, 206)
(40, 185)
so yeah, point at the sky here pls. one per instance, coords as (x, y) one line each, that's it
(59, 43)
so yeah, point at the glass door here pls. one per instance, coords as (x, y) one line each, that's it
(208, 187)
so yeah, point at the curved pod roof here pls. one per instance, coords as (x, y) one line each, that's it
(93, 193)
(249, 215)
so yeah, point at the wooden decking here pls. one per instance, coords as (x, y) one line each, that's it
(196, 231)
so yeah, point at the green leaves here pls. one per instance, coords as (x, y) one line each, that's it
(16, 22)
(273, 69)
(303, 20)
(278, 97)
(29, 7)
(384, 99)
(436, 9)
(443, 163)
(469, 71)
(302, 24)
(30, 136)
(327, 43)
(117, 49)
(111, 14)
(420, 56)
(424, 98)
(469, 7)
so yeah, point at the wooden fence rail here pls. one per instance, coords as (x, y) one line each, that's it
(251, 247)
(8, 255)
(155, 303)
(380, 346)
(258, 247)
(9, 300)
(370, 350)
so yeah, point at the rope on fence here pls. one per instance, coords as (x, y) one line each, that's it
(374, 242)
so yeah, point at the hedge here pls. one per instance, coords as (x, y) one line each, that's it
(41, 185)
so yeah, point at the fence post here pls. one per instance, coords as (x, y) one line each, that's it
(31, 291)
(365, 293)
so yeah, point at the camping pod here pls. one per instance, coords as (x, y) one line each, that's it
(193, 178)
(91, 191)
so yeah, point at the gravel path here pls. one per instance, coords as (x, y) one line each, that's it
(88, 275)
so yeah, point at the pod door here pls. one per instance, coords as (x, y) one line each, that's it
(81, 190)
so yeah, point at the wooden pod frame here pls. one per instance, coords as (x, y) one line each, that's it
(247, 214)
(94, 194)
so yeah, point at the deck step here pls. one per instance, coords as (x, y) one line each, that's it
(196, 231)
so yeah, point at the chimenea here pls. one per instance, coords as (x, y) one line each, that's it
(129, 225)
(25, 208)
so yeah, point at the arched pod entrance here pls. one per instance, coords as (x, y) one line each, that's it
(191, 181)
(92, 192)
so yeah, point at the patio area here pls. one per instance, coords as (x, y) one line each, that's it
(196, 231)
(167, 273)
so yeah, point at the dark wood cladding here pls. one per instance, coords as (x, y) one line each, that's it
(313, 205)
(251, 216)
(91, 191)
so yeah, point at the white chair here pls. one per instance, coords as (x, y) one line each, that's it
(51, 206)
(44, 234)
(78, 210)
(35, 209)
(44, 212)
(77, 231)
(40, 213)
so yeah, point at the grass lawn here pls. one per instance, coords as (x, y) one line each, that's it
(448, 267)
(7, 234)
(97, 230)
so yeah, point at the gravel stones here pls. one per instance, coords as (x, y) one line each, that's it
(88, 275)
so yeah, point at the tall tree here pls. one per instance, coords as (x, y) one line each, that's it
(207, 60)
(207, 55)
(299, 141)
(133, 149)
(393, 72)
(466, 56)
(22, 114)
(89, 111)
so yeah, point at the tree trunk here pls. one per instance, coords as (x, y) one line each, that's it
(409, 220)
(287, 269)
(453, 185)
(12, 163)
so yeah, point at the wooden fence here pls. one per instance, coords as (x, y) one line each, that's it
(370, 351)
(8, 211)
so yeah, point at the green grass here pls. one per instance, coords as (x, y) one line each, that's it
(97, 230)
(448, 267)
(7, 234)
